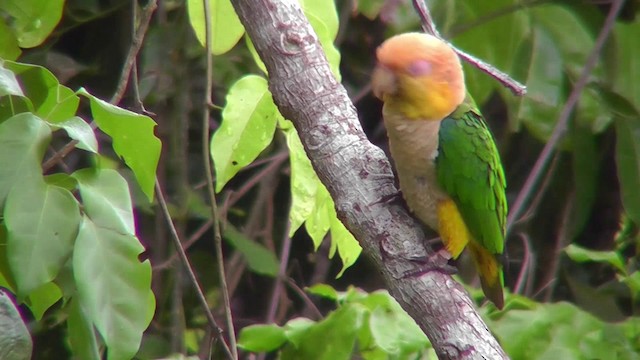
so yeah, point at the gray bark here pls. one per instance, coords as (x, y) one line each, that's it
(358, 175)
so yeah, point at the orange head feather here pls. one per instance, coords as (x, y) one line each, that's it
(419, 75)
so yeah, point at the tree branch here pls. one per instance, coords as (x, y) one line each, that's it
(358, 175)
(429, 27)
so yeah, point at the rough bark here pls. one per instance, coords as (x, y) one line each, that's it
(358, 175)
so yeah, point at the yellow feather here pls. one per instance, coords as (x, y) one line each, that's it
(452, 229)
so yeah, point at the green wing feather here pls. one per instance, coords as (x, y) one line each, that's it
(468, 168)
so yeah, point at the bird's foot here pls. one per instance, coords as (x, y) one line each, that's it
(394, 198)
(438, 261)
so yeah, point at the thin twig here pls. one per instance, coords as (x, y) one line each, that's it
(303, 295)
(189, 268)
(136, 44)
(277, 288)
(526, 261)
(561, 125)
(429, 27)
(55, 158)
(217, 237)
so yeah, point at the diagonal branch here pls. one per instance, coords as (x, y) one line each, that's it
(429, 27)
(358, 176)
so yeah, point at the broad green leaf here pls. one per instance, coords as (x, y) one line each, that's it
(396, 332)
(304, 182)
(79, 130)
(33, 20)
(9, 49)
(624, 67)
(325, 11)
(331, 339)
(82, 336)
(348, 247)
(633, 282)
(248, 123)
(52, 102)
(539, 109)
(318, 222)
(23, 140)
(42, 223)
(628, 164)
(590, 113)
(6, 277)
(42, 298)
(15, 340)
(296, 328)
(324, 290)
(490, 42)
(323, 17)
(567, 31)
(133, 139)
(62, 180)
(258, 257)
(106, 199)
(226, 28)
(580, 254)
(12, 105)
(114, 287)
(585, 166)
(370, 8)
(9, 84)
(261, 338)
(254, 54)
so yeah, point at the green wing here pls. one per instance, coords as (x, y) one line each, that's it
(468, 168)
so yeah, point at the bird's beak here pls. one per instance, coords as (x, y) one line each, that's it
(383, 82)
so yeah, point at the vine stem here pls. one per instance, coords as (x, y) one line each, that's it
(217, 236)
(189, 268)
(563, 120)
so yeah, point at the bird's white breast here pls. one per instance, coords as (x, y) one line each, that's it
(414, 147)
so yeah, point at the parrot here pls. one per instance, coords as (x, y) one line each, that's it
(445, 156)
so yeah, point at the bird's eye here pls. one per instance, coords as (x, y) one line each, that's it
(419, 68)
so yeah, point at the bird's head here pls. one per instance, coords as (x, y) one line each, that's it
(418, 75)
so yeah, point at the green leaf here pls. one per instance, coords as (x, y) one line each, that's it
(261, 338)
(370, 8)
(318, 222)
(82, 337)
(540, 108)
(248, 123)
(15, 340)
(490, 42)
(633, 282)
(114, 287)
(9, 49)
(42, 298)
(258, 257)
(569, 34)
(323, 17)
(23, 140)
(79, 130)
(52, 102)
(9, 84)
(6, 277)
(304, 182)
(580, 254)
(226, 28)
(348, 247)
(628, 164)
(623, 64)
(331, 339)
(324, 290)
(106, 199)
(133, 139)
(33, 20)
(42, 224)
(62, 180)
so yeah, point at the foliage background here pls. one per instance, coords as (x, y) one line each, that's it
(572, 255)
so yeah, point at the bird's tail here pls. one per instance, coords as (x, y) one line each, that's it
(490, 272)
